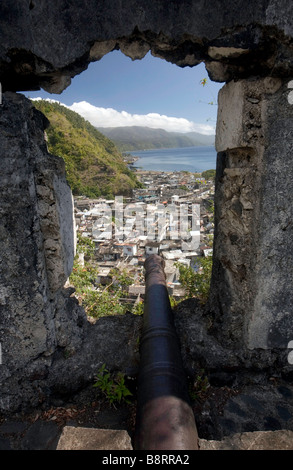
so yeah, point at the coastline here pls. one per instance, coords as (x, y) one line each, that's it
(191, 159)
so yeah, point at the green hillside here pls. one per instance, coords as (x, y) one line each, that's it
(94, 166)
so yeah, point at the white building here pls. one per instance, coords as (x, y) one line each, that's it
(129, 249)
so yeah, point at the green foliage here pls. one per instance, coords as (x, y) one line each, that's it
(83, 277)
(173, 302)
(210, 240)
(212, 206)
(113, 387)
(138, 308)
(199, 387)
(102, 303)
(94, 166)
(85, 245)
(98, 301)
(209, 175)
(196, 284)
(187, 278)
(203, 81)
(211, 209)
(121, 279)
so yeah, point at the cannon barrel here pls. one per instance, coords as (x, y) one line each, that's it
(164, 419)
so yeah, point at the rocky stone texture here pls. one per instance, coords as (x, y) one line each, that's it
(252, 272)
(32, 185)
(237, 390)
(102, 439)
(76, 438)
(48, 346)
(46, 46)
(270, 440)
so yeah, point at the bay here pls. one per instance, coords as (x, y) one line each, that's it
(192, 159)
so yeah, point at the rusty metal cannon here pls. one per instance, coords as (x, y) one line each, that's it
(164, 420)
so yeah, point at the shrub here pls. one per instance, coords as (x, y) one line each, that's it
(196, 284)
(113, 387)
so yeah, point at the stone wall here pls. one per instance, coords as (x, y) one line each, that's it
(45, 45)
(34, 250)
(48, 346)
(251, 296)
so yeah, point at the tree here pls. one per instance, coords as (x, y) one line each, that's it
(196, 283)
(209, 175)
(97, 301)
(85, 245)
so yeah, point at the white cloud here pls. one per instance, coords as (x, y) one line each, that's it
(109, 117)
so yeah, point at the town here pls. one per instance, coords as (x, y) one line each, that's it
(170, 215)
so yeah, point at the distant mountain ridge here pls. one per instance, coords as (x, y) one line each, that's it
(145, 138)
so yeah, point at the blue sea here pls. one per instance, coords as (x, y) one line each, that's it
(193, 159)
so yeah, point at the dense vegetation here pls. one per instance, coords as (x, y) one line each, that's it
(94, 166)
(196, 283)
(209, 175)
(99, 301)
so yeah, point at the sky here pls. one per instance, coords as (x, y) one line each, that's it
(117, 91)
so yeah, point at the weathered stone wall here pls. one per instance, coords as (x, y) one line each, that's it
(252, 273)
(34, 251)
(45, 45)
(48, 346)
(26, 221)
(270, 323)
